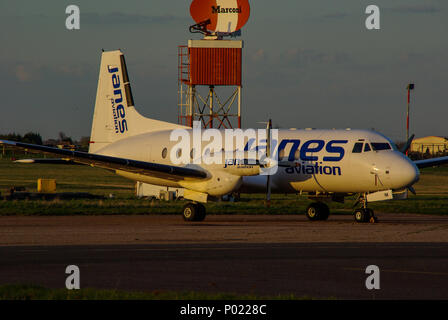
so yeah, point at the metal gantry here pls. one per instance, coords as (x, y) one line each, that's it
(209, 91)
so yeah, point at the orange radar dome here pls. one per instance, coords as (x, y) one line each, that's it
(224, 15)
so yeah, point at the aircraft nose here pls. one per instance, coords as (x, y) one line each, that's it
(407, 172)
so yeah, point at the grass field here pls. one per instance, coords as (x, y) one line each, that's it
(432, 195)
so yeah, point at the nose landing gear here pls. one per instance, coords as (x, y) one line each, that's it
(364, 214)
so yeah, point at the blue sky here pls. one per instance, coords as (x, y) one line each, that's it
(306, 63)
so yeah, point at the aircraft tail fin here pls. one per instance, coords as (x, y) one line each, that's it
(115, 116)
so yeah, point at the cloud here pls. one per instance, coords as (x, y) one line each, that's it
(28, 71)
(416, 9)
(309, 57)
(22, 73)
(71, 70)
(258, 56)
(411, 57)
(337, 15)
(126, 18)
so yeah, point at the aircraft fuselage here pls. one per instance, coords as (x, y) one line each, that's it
(326, 161)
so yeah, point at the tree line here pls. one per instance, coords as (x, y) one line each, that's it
(62, 141)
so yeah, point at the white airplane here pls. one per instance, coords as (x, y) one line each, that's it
(325, 164)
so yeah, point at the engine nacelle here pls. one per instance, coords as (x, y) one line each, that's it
(220, 183)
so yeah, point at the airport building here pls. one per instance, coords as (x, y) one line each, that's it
(430, 144)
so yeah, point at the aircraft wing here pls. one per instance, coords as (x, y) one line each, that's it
(96, 160)
(431, 162)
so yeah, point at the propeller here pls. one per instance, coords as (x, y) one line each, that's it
(407, 145)
(411, 188)
(405, 150)
(268, 155)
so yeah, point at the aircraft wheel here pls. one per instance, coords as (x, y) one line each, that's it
(193, 212)
(201, 212)
(190, 212)
(371, 218)
(324, 211)
(317, 211)
(362, 215)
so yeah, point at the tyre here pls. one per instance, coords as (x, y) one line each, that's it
(313, 212)
(324, 211)
(190, 212)
(193, 212)
(201, 212)
(362, 215)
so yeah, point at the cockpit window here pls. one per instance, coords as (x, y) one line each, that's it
(357, 147)
(381, 146)
(367, 147)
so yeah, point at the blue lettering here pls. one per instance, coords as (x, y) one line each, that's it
(306, 148)
(338, 169)
(123, 126)
(334, 149)
(113, 70)
(120, 110)
(309, 170)
(327, 170)
(249, 144)
(295, 146)
(118, 92)
(315, 169)
(116, 81)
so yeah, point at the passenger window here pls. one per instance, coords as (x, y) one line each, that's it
(367, 147)
(281, 154)
(297, 155)
(358, 147)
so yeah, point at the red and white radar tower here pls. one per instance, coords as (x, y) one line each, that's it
(211, 63)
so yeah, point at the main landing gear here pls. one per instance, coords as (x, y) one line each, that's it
(317, 211)
(193, 211)
(364, 214)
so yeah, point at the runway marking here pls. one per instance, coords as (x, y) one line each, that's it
(402, 271)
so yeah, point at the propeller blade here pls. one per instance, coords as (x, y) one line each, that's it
(268, 138)
(268, 155)
(268, 191)
(411, 188)
(406, 147)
